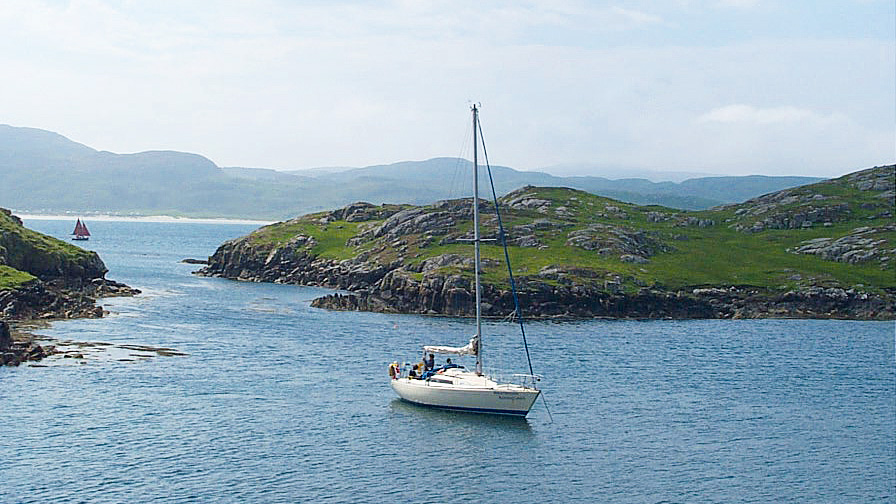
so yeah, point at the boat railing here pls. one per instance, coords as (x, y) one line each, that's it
(527, 380)
(522, 379)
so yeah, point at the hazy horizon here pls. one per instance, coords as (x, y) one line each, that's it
(727, 87)
(564, 170)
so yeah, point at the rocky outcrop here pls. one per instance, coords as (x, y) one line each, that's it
(290, 264)
(862, 244)
(807, 216)
(14, 352)
(805, 302)
(867, 193)
(540, 300)
(361, 212)
(879, 179)
(413, 221)
(630, 245)
(591, 258)
(53, 300)
(65, 280)
(452, 295)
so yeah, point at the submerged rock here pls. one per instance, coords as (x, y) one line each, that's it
(13, 352)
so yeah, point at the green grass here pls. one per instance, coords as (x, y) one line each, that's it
(11, 278)
(717, 255)
(18, 244)
(714, 255)
(330, 238)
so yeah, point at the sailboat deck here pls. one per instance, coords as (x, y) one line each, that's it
(459, 378)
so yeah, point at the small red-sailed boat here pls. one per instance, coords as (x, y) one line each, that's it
(81, 232)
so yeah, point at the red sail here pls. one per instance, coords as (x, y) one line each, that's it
(81, 229)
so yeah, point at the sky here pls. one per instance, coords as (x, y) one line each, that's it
(578, 87)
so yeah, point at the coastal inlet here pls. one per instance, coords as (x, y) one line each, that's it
(278, 401)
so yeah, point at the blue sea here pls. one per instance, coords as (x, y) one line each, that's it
(276, 401)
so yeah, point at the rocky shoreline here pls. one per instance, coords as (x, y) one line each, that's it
(40, 301)
(394, 288)
(14, 351)
(701, 303)
(53, 280)
(589, 257)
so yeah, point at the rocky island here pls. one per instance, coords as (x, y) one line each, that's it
(824, 250)
(43, 278)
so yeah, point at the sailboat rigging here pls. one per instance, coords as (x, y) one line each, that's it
(451, 386)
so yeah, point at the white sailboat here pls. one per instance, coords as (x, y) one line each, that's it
(456, 388)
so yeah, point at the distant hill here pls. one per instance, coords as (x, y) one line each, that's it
(621, 172)
(42, 171)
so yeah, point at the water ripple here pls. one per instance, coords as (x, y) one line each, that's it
(279, 402)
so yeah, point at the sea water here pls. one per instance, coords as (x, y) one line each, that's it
(276, 401)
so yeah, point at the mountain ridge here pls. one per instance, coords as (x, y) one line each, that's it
(44, 172)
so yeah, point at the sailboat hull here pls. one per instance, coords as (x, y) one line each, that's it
(499, 400)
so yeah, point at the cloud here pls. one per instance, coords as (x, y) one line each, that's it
(739, 113)
(740, 4)
(635, 17)
(309, 83)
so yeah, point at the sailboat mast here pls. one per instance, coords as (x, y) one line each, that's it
(476, 239)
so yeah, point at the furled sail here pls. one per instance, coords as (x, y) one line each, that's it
(468, 349)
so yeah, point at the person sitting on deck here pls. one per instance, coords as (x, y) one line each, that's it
(429, 363)
(448, 365)
(441, 369)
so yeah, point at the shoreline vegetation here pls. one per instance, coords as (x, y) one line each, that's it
(43, 279)
(825, 250)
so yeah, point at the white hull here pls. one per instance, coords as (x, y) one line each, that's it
(465, 391)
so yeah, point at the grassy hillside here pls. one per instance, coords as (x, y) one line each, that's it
(11, 278)
(26, 254)
(835, 233)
